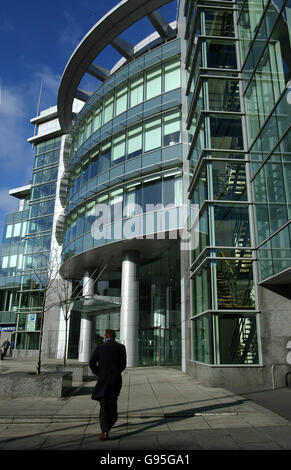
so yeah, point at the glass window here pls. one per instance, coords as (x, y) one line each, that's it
(97, 119)
(153, 137)
(223, 95)
(221, 54)
(108, 109)
(131, 199)
(236, 339)
(8, 231)
(121, 100)
(16, 231)
(235, 283)
(172, 75)
(136, 91)
(115, 201)
(93, 168)
(172, 190)
(152, 192)
(226, 132)
(229, 181)
(153, 83)
(201, 299)
(171, 128)
(13, 261)
(134, 137)
(88, 128)
(202, 336)
(81, 136)
(219, 23)
(118, 149)
(105, 157)
(232, 225)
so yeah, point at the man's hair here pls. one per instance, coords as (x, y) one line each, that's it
(110, 333)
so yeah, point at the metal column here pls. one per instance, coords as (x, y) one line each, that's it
(86, 322)
(130, 306)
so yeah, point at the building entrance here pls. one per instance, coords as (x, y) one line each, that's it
(159, 346)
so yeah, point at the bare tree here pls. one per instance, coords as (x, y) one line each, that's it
(45, 284)
(55, 287)
(66, 294)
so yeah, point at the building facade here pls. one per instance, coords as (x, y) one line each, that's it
(170, 203)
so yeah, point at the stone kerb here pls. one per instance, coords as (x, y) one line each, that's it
(28, 384)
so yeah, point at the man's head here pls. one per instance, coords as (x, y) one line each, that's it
(110, 334)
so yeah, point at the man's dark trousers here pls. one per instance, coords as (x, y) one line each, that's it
(108, 412)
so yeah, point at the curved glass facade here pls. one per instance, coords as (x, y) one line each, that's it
(126, 157)
(141, 162)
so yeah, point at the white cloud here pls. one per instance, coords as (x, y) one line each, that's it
(18, 105)
(71, 33)
(14, 150)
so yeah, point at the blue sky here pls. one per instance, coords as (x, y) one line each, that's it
(37, 39)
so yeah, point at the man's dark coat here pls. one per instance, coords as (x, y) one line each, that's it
(107, 362)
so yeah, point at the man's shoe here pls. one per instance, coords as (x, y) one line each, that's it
(103, 436)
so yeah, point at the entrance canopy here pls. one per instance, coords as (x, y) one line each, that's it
(96, 304)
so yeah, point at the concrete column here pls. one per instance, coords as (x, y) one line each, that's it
(86, 322)
(130, 306)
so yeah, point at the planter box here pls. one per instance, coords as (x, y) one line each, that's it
(28, 384)
(79, 372)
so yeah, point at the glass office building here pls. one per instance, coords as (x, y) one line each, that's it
(172, 190)
(28, 240)
(238, 73)
(12, 252)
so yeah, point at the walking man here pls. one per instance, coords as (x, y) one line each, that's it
(108, 361)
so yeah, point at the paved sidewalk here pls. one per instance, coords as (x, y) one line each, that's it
(159, 409)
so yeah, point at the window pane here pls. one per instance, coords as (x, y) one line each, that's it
(97, 119)
(232, 226)
(172, 75)
(108, 109)
(152, 193)
(105, 157)
(132, 200)
(153, 83)
(134, 142)
(121, 100)
(118, 150)
(221, 55)
(9, 231)
(153, 134)
(17, 228)
(226, 132)
(136, 91)
(172, 128)
(116, 199)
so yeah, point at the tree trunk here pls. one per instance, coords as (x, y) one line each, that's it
(66, 334)
(40, 343)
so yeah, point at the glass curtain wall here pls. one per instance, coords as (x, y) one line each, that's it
(160, 310)
(144, 86)
(11, 261)
(135, 199)
(223, 300)
(159, 131)
(265, 32)
(37, 243)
